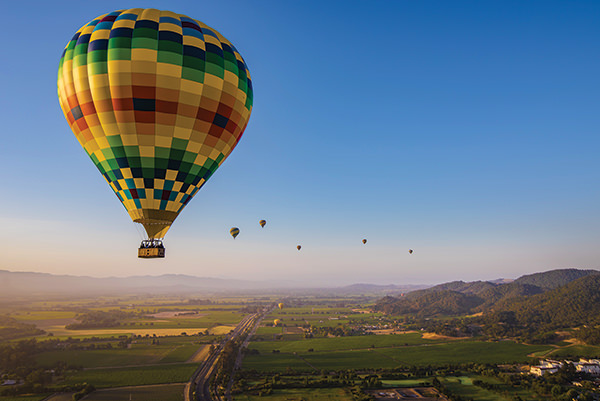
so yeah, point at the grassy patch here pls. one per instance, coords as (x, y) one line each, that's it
(169, 392)
(138, 376)
(315, 394)
(432, 354)
(342, 343)
(180, 353)
(576, 351)
(38, 397)
(406, 383)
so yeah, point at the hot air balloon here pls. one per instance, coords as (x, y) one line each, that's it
(410, 251)
(276, 322)
(158, 101)
(299, 247)
(364, 240)
(234, 232)
(262, 223)
(280, 305)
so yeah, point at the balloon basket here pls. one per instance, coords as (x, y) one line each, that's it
(151, 249)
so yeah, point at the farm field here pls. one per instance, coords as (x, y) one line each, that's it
(464, 387)
(344, 343)
(61, 397)
(167, 392)
(134, 376)
(315, 394)
(390, 357)
(576, 351)
(168, 320)
(37, 397)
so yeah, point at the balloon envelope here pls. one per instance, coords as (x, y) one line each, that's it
(234, 232)
(280, 305)
(410, 251)
(276, 322)
(262, 223)
(364, 241)
(298, 247)
(158, 101)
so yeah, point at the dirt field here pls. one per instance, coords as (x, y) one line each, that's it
(433, 336)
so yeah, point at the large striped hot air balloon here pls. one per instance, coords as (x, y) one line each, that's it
(158, 101)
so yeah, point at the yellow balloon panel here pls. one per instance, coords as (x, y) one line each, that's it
(158, 101)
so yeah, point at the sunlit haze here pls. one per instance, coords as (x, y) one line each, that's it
(467, 131)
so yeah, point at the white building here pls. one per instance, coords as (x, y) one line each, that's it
(543, 370)
(588, 367)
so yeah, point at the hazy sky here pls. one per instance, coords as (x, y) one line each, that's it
(465, 130)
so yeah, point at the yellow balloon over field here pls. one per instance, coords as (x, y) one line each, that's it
(276, 322)
(158, 101)
(280, 305)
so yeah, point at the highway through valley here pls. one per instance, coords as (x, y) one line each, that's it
(197, 389)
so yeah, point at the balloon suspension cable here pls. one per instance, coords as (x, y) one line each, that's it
(140, 230)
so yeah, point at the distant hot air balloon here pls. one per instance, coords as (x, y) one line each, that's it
(158, 101)
(280, 305)
(299, 247)
(364, 241)
(262, 223)
(410, 251)
(276, 322)
(234, 232)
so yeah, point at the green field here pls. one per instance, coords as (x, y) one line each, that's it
(141, 353)
(343, 343)
(464, 387)
(406, 383)
(24, 398)
(316, 394)
(576, 351)
(419, 355)
(169, 392)
(135, 376)
(43, 315)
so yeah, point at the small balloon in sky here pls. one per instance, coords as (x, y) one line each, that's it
(364, 241)
(234, 232)
(298, 247)
(410, 251)
(262, 223)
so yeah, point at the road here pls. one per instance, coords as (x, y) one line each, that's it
(197, 389)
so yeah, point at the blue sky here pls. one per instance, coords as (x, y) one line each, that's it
(467, 131)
